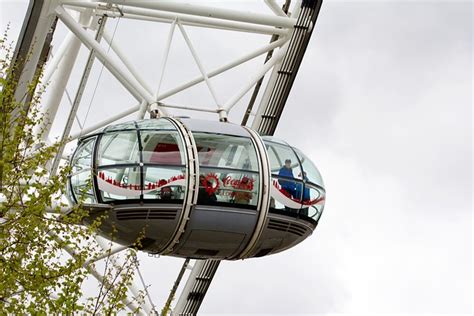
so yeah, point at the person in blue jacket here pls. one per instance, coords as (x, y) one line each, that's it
(287, 171)
(306, 195)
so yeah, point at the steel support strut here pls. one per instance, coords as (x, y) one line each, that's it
(77, 100)
(124, 78)
(283, 76)
(32, 48)
(196, 287)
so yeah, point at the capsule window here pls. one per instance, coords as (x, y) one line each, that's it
(286, 195)
(283, 161)
(118, 148)
(313, 201)
(81, 177)
(81, 184)
(158, 124)
(311, 173)
(120, 127)
(119, 183)
(83, 156)
(224, 151)
(163, 148)
(223, 186)
(164, 184)
(228, 170)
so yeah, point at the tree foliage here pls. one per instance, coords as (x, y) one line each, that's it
(45, 251)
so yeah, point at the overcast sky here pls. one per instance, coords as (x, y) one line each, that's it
(383, 106)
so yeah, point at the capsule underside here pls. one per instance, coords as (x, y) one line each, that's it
(197, 189)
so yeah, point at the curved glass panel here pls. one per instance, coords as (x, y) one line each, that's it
(306, 200)
(118, 148)
(215, 127)
(274, 140)
(224, 151)
(166, 184)
(313, 202)
(286, 194)
(152, 170)
(217, 186)
(162, 147)
(310, 172)
(81, 178)
(283, 161)
(82, 159)
(160, 124)
(122, 126)
(119, 183)
(81, 184)
(82, 187)
(291, 192)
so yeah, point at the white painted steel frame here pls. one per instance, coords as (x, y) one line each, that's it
(108, 252)
(53, 63)
(165, 57)
(187, 19)
(79, 93)
(228, 66)
(260, 51)
(57, 86)
(196, 287)
(217, 13)
(276, 58)
(175, 13)
(115, 70)
(42, 27)
(126, 62)
(222, 116)
(127, 81)
(275, 8)
(195, 14)
(137, 80)
(273, 77)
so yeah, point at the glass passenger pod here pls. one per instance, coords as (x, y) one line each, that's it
(228, 164)
(134, 161)
(80, 181)
(297, 187)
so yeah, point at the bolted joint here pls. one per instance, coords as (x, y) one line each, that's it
(109, 9)
(222, 115)
(155, 110)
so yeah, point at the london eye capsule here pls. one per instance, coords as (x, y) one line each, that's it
(197, 189)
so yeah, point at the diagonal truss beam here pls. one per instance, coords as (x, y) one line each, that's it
(126, 62)
(182, 87)
(77, 99)
(124, 78)
(165, 58)
(200, 66)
